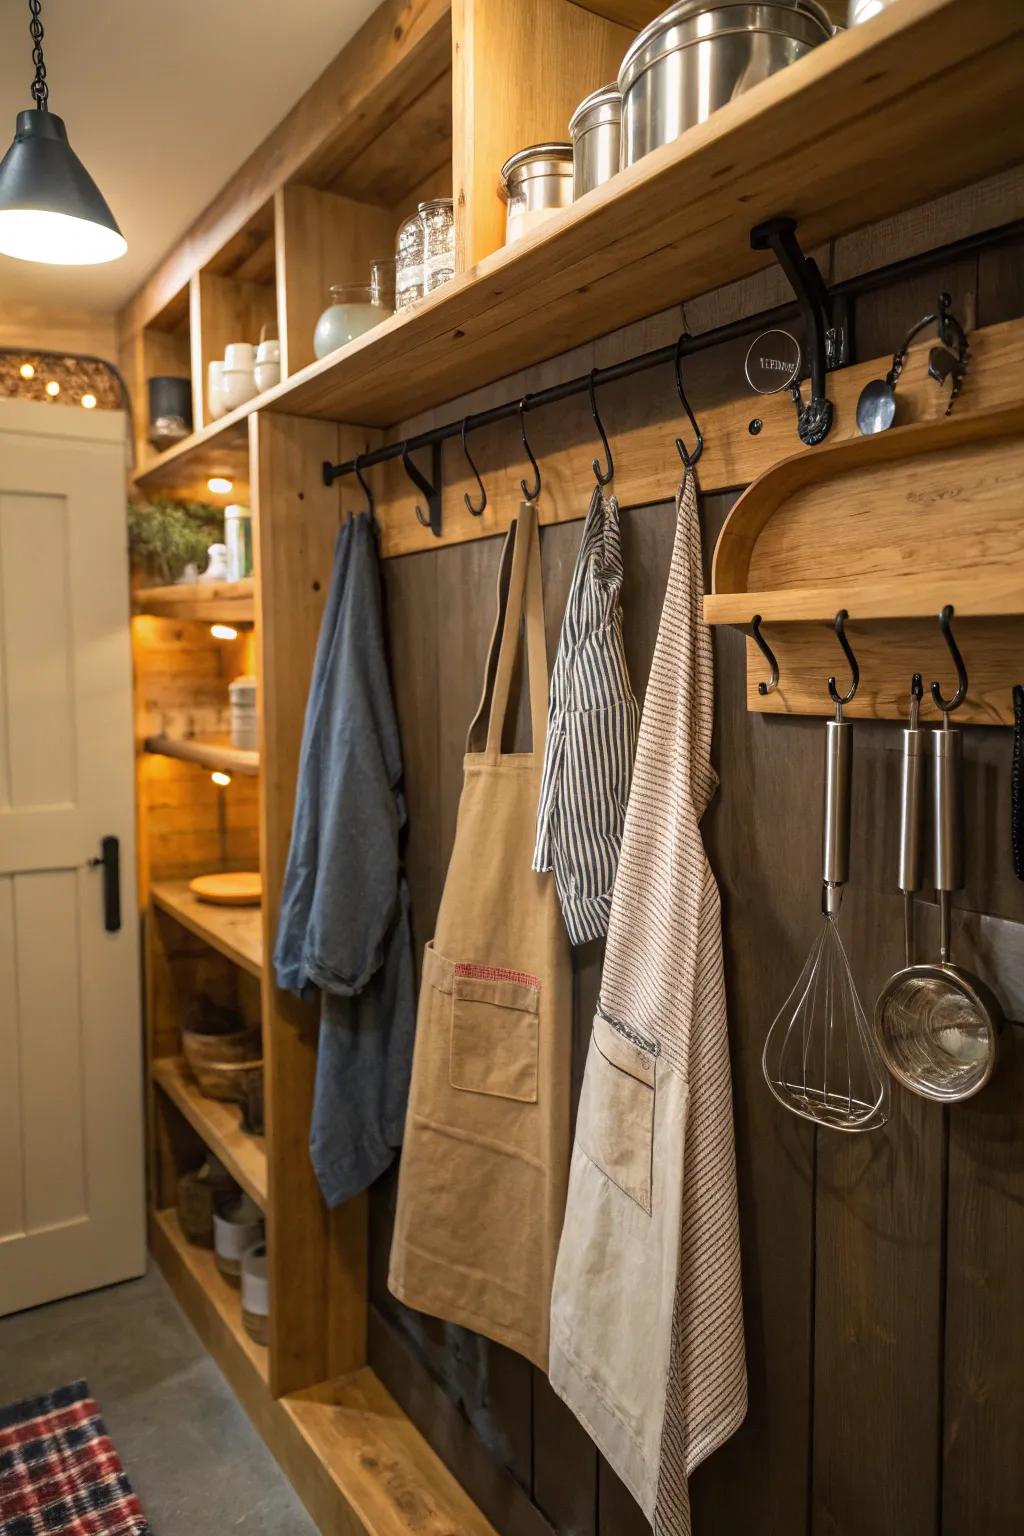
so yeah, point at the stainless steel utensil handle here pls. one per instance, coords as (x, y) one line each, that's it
(947, 749)
(835, 861)
(911, 808)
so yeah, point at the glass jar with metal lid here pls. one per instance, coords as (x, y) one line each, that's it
(698, 55)
(438, 219)
(536, 182)
(595, 131)
(409, 261)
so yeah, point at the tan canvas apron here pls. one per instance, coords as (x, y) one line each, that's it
(484, 1168)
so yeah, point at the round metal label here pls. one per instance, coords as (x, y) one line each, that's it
(773, 362)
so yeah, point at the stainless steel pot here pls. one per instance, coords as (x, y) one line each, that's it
(595, 132)
(697, 56)
(536, 182)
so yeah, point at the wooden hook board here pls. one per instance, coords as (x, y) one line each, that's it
(890, 528)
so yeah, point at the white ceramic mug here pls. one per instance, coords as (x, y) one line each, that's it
(215, 406)
(240, 354)
(267, 375)
(237, 386)
(268, 352)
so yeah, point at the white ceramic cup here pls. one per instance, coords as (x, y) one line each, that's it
(215, 406)
(237, 386)
(239, 354)
(268, 352)
(267, 375)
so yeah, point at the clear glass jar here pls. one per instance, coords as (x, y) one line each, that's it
(351, 313)
(438, 218)
(409, 262)
(382, 283)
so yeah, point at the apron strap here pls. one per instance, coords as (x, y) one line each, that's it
(519, 590)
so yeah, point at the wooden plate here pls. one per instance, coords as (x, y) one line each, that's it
(244, 889)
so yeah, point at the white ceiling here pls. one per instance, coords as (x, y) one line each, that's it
(163, 99)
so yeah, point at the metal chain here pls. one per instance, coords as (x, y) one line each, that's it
(40, 89)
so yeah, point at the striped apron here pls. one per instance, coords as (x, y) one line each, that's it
(592, 721)
(646, 1312)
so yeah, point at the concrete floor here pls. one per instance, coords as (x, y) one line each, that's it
(196, 1463)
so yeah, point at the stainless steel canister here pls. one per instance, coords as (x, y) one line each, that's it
(863, 10)
(595, 131)
(698, 56)
(536, 181)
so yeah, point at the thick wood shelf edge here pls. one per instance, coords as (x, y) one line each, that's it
(207, 754)
(219, 1125)
(202, 601)
(356, 1461)
(236, 932)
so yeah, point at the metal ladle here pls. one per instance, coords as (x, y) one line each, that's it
(937, 1026)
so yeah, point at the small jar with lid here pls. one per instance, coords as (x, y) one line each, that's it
(595, 130)
(536, 182)
(409, 262)
(438, 218)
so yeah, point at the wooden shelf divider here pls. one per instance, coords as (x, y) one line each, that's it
(236, 932)
(207, 752)
(219, 1124)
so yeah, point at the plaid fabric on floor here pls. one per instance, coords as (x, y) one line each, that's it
(59, 1472)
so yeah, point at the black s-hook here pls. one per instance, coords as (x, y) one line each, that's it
(362, 481)
(689, 459)
(839, 699)
(474, 511)
(602, 476)
(768, 654)
(948, 705)
(530, 495)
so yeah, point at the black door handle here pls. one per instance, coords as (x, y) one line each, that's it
(110, 860)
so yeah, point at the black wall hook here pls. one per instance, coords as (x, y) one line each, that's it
(602, 476)
(363, 482)
(530, 495)
(430, 489)
(948, 705)
(768, 654)
(689, 459)
(821, 335)
(475, 511)
(837, 698)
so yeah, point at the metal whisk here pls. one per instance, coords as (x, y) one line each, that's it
(820, 1058)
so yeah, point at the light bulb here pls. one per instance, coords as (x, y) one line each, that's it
(89, 402)
(223, 632)
(223, 779)
(27, 371)
(53, 389)
(219, 486)
(59, 239)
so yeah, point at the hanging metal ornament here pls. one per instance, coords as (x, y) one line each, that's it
(876, 407)
(773, 362)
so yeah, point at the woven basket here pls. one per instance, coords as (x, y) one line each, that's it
(214, 1060)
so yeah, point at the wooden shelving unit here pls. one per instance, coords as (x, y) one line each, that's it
(222, 448)
(210, 602)
(197, 1277)
(207, 752)
(219, 1125)
(236, 932)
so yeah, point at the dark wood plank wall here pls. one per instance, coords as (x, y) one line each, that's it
(882, 1273)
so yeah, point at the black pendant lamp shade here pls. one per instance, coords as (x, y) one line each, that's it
(50, 208)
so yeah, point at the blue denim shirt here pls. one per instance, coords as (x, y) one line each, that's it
(344, 920)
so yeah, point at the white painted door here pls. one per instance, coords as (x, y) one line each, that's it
(71, 1144)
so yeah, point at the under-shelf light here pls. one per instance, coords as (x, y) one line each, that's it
(223, 632)
(219, 486)
(223, 779)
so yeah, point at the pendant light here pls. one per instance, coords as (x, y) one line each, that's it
(50, 208)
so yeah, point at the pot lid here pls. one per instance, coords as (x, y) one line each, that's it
(644, 49)
(553, 157)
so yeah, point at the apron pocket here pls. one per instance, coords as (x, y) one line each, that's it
(495, 1032)
(615, 1126)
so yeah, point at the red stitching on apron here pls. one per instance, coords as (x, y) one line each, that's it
(495, 973)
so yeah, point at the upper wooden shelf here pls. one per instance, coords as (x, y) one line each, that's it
(207, 752)
(210, 602)
(220, 449)
(220, 1126)
(236, 932)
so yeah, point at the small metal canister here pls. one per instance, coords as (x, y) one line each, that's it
(536, 182)
(701, 54)
(595, 132)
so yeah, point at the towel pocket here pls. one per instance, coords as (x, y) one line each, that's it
(615, 1126)
(495, 1032)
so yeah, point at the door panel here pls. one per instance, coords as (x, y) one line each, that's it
(71, 1150)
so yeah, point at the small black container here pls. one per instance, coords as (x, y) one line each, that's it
(170, 410)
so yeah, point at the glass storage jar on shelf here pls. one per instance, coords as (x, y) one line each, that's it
(409, 262)
(352, 312)
(438, 218)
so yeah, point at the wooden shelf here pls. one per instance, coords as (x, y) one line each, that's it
(211, 602)
(236, 932)
(222, 448)
(200, 1286)
(220, 1126)
(208, 752)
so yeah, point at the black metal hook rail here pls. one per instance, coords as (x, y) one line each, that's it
(686, 346)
